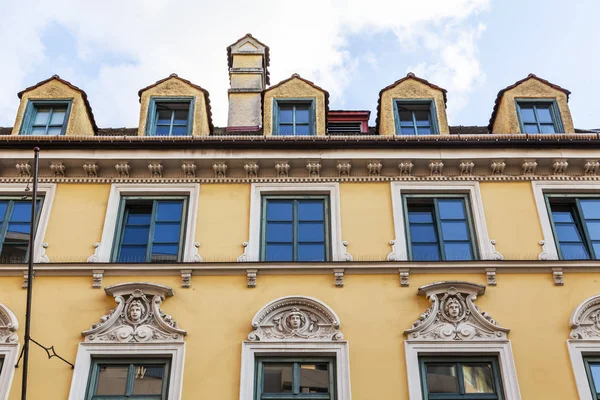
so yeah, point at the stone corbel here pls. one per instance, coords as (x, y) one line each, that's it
(374, 168)
(58, 168)
(404, 277)
(251, 168)
(314, 168)
(123, 169)
(529, 167)
(282, 169)
(436, 168)
(251, 278)
(495, 254)
(393, 256)
(244, 256)
(466, 167)
(189, 169)
(155, 169)
(490, 274)
(544, 254)
(346, 256)
(91, 169)
(220, 169)
(97, 276)
(560, 166)
(591, 167)
(497, 167)
(557, 275)
(197, 257)
(338, 276)
(405, 167)
(24, 169)
(186, 278)
(94, 257)
(26, 278)
(43, 257)
(344, 168)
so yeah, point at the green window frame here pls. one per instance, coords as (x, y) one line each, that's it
(556, 122)
(153, 225)
(152, 121)
(462, 392)
(582, 224)
(592, 369)
(295, 222)
(30, 122)
(135, 368)
(14, 225)
(278, 104)
(431, 203)
(294, 366)
(404, 126)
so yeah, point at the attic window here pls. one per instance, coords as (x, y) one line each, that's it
(295, 117)
(344, 127)
(537, 116)
(170, 116)
(46, 118)
(415, 117)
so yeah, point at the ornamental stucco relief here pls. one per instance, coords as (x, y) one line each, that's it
(137, 317)
(295, 318)
(585, 321)
(8, 325)
(453, 315)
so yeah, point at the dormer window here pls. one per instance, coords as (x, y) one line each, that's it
(46, 118)
(415, 117)
(294, 117)
(170, 116)
(539, 116)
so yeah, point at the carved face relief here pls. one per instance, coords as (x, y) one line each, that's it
(136, 311)
(294, 320)
(453, 308)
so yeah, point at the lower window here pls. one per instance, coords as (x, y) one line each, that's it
(286, 378)
(15, 225)
(146, 379)
(592, 367)
(461, 378)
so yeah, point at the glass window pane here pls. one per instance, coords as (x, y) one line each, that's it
(167, 232)
(422, 117)
(527, 114)
(279, 210)
(138, 217)
(286, 129)
(279, 252)
(596, 247)
(286, 114)
(38, 131)
(311, 232)
(314, 378)
(136, 235)
(58, 117)
(164, 117)
(148, 380)
(574, 251)
(562, 216)
(457, 251)
(423, 233)
(277, 378)
(14, 252)
(455, 230)
(478, 378)
(425, 252)
(303, 130)
(310, 210)
(548, 128)
(3, 208)
(406, 116)
(407, 130)
(311, 252)
(169, 210)
(424, 130)
(54, 130)
(302, 114)
(179, 131)
(451, 209)
(420, 216)
(181, 117)
(112, 380)
(165, 252)
(162, 130)
(595, 371)
(41, 116)
(544, 114)
(280, 232)
(21, 211)
(441, 378)
(590, 208)
(567, 233)
(132, 254)
(531, 128)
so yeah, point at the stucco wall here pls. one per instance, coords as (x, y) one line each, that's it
(247, 61)
(507, 120)
(294, 88)
(244, 109)
(410, 89)
(175, 87)
(246, 81)
(79, 122)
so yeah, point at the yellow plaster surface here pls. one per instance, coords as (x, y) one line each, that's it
(410, 89)
(244, 109)
(507, 120)
(79, 122)
(512, 219)
(176, 87)
(296, 89)
(253, 81)
(247, 61)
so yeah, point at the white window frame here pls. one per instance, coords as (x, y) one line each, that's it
(486, 250)
(501, 349)
(251, 350)
(331, 189)
(48, 190)
(119, 190)
(87, 351)
(10, 352)
(540, 188)
(578, 349)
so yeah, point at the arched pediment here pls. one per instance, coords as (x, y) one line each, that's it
(295, 318)
(8, 325)
(585, 320)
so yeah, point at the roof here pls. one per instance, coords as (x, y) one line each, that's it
(206, 95)
(408, 76)
(88, 107)
(514, 85)
(267, 58)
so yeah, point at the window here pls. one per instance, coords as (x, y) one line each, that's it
(460, 378)
(439, 228)
(415, 117)
(46, 117)
(15, 223)
(539, 116)
(295, 228)
(170, 116)
(151, 229)
(294, 117)
(284, 378)
(146, 379)
(592, 368)
(576, 225)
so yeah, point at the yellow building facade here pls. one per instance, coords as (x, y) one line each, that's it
(272, 260)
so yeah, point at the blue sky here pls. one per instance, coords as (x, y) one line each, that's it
(473, 48)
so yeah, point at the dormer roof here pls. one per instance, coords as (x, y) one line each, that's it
(252, 40)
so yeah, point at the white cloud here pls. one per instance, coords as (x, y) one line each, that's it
(159, 37)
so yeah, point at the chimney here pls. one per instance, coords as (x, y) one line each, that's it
(248, 61)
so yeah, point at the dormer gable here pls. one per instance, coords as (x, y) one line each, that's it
(54, 107)
(295, 107)
(174, 107)
(249, 52)
(532, 105)
(412, 106)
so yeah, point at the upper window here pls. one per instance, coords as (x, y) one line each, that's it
(15, 223)
(475, 378)
(415, 117)
(288, 378)
(117, 379)
(539, 116)
(170, 116)
(592, 368)
(576, 225)
(294, 118)
(150, 229)
(46, 117)
(295, 228)
(439, 228)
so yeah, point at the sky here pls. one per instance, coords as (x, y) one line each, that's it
(351, 48)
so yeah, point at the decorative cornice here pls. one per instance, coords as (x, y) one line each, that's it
(374, 168)
(189, 169)
(436, 168)
(560, 166)
(314, 168)
(91, 169)
(344, 168)
(251, 168)
(591, 167)
(123, 169)
(58, 168)
(282, 168)
(24, 169)
(497, 167)
(405, 167)
(155, 169)
(585, 320)
(220, 169)
(466, 167)
(529, 167)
